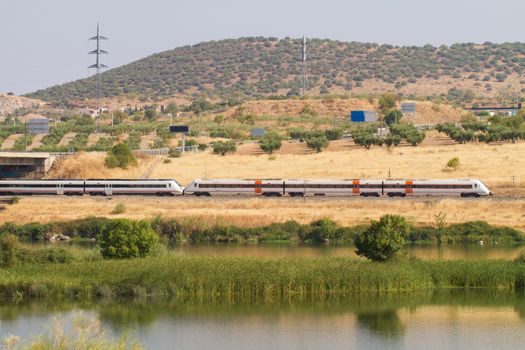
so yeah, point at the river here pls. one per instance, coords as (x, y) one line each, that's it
(437, 320)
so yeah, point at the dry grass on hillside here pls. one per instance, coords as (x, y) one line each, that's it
(260, 211)
(427, 112)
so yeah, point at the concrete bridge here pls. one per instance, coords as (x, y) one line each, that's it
(25, 164)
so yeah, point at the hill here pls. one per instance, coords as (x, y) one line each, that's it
(10, 103)
(256, 67)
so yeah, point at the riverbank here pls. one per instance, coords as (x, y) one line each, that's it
(249, 278)
(194, 230)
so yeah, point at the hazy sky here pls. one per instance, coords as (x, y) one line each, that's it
(45, 42)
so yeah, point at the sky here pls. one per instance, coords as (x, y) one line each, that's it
(44, 43)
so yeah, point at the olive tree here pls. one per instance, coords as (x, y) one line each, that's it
(270, 142)
(383, 239)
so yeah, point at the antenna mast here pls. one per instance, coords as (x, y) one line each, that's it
(98, 65)
(305, 71)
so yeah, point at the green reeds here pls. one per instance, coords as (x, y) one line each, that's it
(250, 278)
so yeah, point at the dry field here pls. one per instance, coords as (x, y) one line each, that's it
(259, 211)
(494, 164)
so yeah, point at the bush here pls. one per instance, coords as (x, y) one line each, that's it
(174, 153)
(122, 238)
(119, 209)
(333, 134)
(270, 142)
(316, 142)
(8, 250)
(120, 156)
(393, 117)
(453, 163)
(222, 148)
(383, 239)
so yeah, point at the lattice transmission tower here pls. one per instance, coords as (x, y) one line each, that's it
(305, 68)
(98, 65)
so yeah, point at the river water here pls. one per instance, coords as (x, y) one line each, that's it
(449, 252)
(438, 320)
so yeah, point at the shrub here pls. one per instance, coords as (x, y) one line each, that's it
(8, 249)
(317, 143)
(453, 163)
(122, 238)
(393, 117)
(333, 134)
(383, 239)
(119, 209)
(174, 153)
(270, 142)
(120, 156)
(222, 148)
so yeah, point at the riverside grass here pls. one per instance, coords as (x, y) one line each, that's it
(255, 279)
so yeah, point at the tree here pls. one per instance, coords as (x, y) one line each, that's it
(120, 156)
(317, 142)
(270, 142)
(393, 117)
(222, 148)
(387, 102)
(150, 114)
(383, 239)
(123, 238)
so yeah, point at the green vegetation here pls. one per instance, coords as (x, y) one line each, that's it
(196, 230)
(119, 209)
(120, 156)
(453, 163)
(270, 142)
(383, 239)
(216, 278)
(495, 129)
(316, 141)
(366, 136)
(22, 142)
(266, 66)
(122, 238)
(222, 148)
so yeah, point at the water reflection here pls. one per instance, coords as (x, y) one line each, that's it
(447, 252)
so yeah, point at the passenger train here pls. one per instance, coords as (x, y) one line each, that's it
(267, 188)
(355, 187)
(92, 187)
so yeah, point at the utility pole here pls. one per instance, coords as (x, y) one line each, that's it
(98, 66)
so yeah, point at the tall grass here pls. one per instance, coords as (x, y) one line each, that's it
(250, 278)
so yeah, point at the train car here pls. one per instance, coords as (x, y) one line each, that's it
(209, 187)
(41, 187)
(449, 187)
(354, 187)
(104, 187)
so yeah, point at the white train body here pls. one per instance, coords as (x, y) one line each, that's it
(133, 187)
(354, 187)
(91, 187)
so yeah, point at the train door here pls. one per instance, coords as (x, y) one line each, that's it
(409, 185)
(355, 187)
(108, 189)
(60, 188)
(258, 186)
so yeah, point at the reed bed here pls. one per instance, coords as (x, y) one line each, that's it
(250, 278)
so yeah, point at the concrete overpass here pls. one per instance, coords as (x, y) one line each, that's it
(25, 164)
